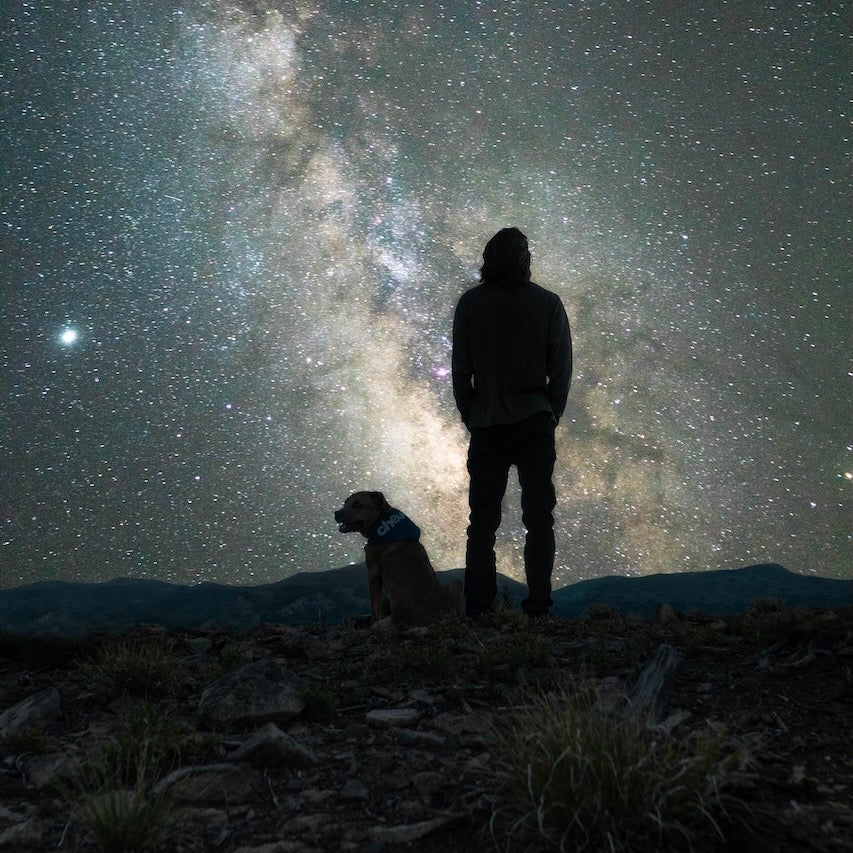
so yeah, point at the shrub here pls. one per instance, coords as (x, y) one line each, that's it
(319, 704)
(122, 816)
(122, 820)
(571, 777)
(113, 792)
(132, 668)
(231, 658)
(147, 742)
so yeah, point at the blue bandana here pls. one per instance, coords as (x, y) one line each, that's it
(393, 526)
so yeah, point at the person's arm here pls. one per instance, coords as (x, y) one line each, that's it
(461, 365)
(559, 359)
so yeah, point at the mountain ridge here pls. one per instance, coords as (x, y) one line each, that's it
(71, 608)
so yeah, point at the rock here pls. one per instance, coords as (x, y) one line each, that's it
(271, 747)
(427, 782)
(354, 790)
(462, 724)
(319, 650)
(665, 614)
(10, 781)
(392, 717)
(274, 847)
(423, 738)
(11, 816)
(210, 818)
(254, 694)
(407, 833)
(310, 827)
(23, 834)
(45, 705)
(200, 645)
(212, 783)
(675, 719)
(40, 770)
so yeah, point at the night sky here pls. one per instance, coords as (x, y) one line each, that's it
(232, 237)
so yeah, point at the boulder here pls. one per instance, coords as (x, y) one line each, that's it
(44, 705)
(253, 695)
(392, 717)
(212, 783)
(271, 747)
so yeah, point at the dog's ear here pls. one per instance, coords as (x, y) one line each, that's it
(379, 499)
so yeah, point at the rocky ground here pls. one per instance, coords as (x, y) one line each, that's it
(291, 740)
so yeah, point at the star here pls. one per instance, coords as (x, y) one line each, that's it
(68, 336)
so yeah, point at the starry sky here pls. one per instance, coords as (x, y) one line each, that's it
(232, 236)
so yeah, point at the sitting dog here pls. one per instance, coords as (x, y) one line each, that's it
(397, 563)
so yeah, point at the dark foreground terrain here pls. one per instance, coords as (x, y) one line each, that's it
(298, 739)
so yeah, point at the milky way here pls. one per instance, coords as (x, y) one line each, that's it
(232, 238)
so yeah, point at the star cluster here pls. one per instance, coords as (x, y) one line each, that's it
(232, 236)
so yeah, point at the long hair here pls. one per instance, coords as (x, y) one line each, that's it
(506, 260)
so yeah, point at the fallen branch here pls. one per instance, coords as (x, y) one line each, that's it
(647, 698)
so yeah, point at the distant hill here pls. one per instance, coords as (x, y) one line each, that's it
(73, 609)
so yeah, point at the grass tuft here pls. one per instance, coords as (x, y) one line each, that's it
(320, 705)
(125, 820)
(112, 791)
(132, 668)
(572, 778)
(231, 658)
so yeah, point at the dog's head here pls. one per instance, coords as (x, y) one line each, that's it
(360, 512)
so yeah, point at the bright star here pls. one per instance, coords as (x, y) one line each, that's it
(68, 336)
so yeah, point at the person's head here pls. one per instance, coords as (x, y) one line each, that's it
(506, 259)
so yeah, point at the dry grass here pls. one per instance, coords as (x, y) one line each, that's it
(137, 668)
(572, 777)
(112, 792)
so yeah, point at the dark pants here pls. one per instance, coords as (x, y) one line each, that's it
(529, 445)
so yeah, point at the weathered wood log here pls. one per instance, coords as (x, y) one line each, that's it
(647, 698)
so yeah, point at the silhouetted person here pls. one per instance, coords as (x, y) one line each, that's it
(512, 367)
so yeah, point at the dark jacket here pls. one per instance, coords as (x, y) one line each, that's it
(512, 354)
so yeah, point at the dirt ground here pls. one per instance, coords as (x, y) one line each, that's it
(400, 726)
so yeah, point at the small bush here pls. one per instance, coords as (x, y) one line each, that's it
(147, 742)
(112, 792)
(132, 668)
(231, 658)
(125, 820)
(573, 778)
(320, 705)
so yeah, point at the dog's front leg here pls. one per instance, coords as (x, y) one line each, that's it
(374, 584)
